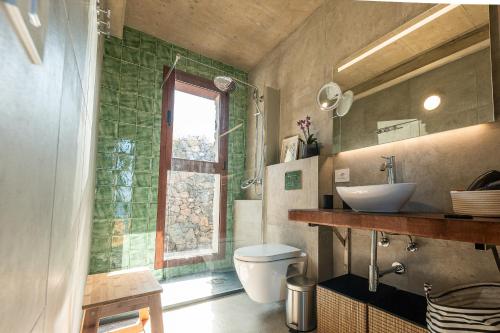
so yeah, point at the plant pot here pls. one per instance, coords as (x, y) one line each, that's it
(311, 150)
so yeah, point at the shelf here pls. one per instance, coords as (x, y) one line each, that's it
(477, 230)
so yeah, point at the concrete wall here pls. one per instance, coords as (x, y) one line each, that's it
(277, 203)
(247, 222)
(438, 162)
(46, 174)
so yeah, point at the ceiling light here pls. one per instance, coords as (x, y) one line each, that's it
(398, 36)
(432, 102)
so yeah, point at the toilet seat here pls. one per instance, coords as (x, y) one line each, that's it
(266, 253)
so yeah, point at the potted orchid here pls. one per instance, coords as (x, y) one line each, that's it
(310, 142)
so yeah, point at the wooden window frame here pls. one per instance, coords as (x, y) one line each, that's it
(188, 83)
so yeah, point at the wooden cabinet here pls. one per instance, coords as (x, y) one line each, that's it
(338, 313)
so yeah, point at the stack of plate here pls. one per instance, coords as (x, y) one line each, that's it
(476, 203)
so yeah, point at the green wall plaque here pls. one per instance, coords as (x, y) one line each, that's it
(293, 180)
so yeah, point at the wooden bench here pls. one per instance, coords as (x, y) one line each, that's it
(109, 294)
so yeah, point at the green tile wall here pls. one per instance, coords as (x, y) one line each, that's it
(124, 225)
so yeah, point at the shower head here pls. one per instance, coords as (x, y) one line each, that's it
(225, 83)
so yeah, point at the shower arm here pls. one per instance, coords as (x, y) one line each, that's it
(179, 56)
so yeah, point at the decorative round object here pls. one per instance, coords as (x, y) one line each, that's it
(345, 103)
(329, 96)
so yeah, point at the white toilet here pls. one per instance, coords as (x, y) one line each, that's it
(263, 269)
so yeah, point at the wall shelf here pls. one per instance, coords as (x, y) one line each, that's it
(429, 225)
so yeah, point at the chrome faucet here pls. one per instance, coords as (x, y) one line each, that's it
(389, 165)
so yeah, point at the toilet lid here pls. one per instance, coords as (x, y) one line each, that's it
(266, 252)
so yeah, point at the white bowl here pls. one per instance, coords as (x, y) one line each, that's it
(384, 198)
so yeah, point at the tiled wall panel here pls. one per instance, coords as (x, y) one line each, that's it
(129, 150)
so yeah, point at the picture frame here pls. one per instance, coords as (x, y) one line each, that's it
(28, 19)
(289, 149)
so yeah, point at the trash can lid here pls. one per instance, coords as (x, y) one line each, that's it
(300, 283)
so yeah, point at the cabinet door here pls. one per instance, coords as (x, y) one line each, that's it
(340, 314)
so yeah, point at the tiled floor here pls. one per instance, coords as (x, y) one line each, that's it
(230, 314)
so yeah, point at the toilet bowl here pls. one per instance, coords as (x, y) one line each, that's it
(263, 269)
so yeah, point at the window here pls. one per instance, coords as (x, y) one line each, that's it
(192, 189)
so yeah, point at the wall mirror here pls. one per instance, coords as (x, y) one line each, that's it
(430, 75)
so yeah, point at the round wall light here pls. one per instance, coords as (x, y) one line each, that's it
(432, 102)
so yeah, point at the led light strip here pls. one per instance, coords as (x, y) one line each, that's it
(398, 36)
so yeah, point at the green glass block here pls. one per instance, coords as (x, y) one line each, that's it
(126, 131)
(143, 148)
(130, 70)
(142, 163)
(152, 210)
(148, 75)
(148, 44)
(123, 194)
(111, 65)
(100, 243)
(105, 161)
(104, 193)
(144, 133)
(107, 128)
(146, 89)
(131, 55)
(141, 194)
(131, 37)
(145, 104)
(128, 116)
(128, 100)
(139, 210)
(148, 59)
(129, 84)
(101, 228)
(125, 146)
(121, 210)
(99, 263)
(118, 260)
(125, 162)
(142, 179)
(102, 210)
(124, 178)
(164, 51)
(112, 50)
(104, 177)
(155, 166)
(120, 227)
(157, 106)
(108, 112)
(113, 40)
(105, 144)
(109, 96)
(111, 81)
(154, 195)
(139, 226)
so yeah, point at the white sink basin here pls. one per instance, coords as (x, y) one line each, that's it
(385, 198)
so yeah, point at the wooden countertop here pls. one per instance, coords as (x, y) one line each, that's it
(429, 225)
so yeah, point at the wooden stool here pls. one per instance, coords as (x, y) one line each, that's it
(109, 294)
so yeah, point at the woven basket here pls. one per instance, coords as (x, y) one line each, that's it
(382, 322)
(339, 314)
(476, 203)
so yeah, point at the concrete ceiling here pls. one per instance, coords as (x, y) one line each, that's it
(236, 32)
